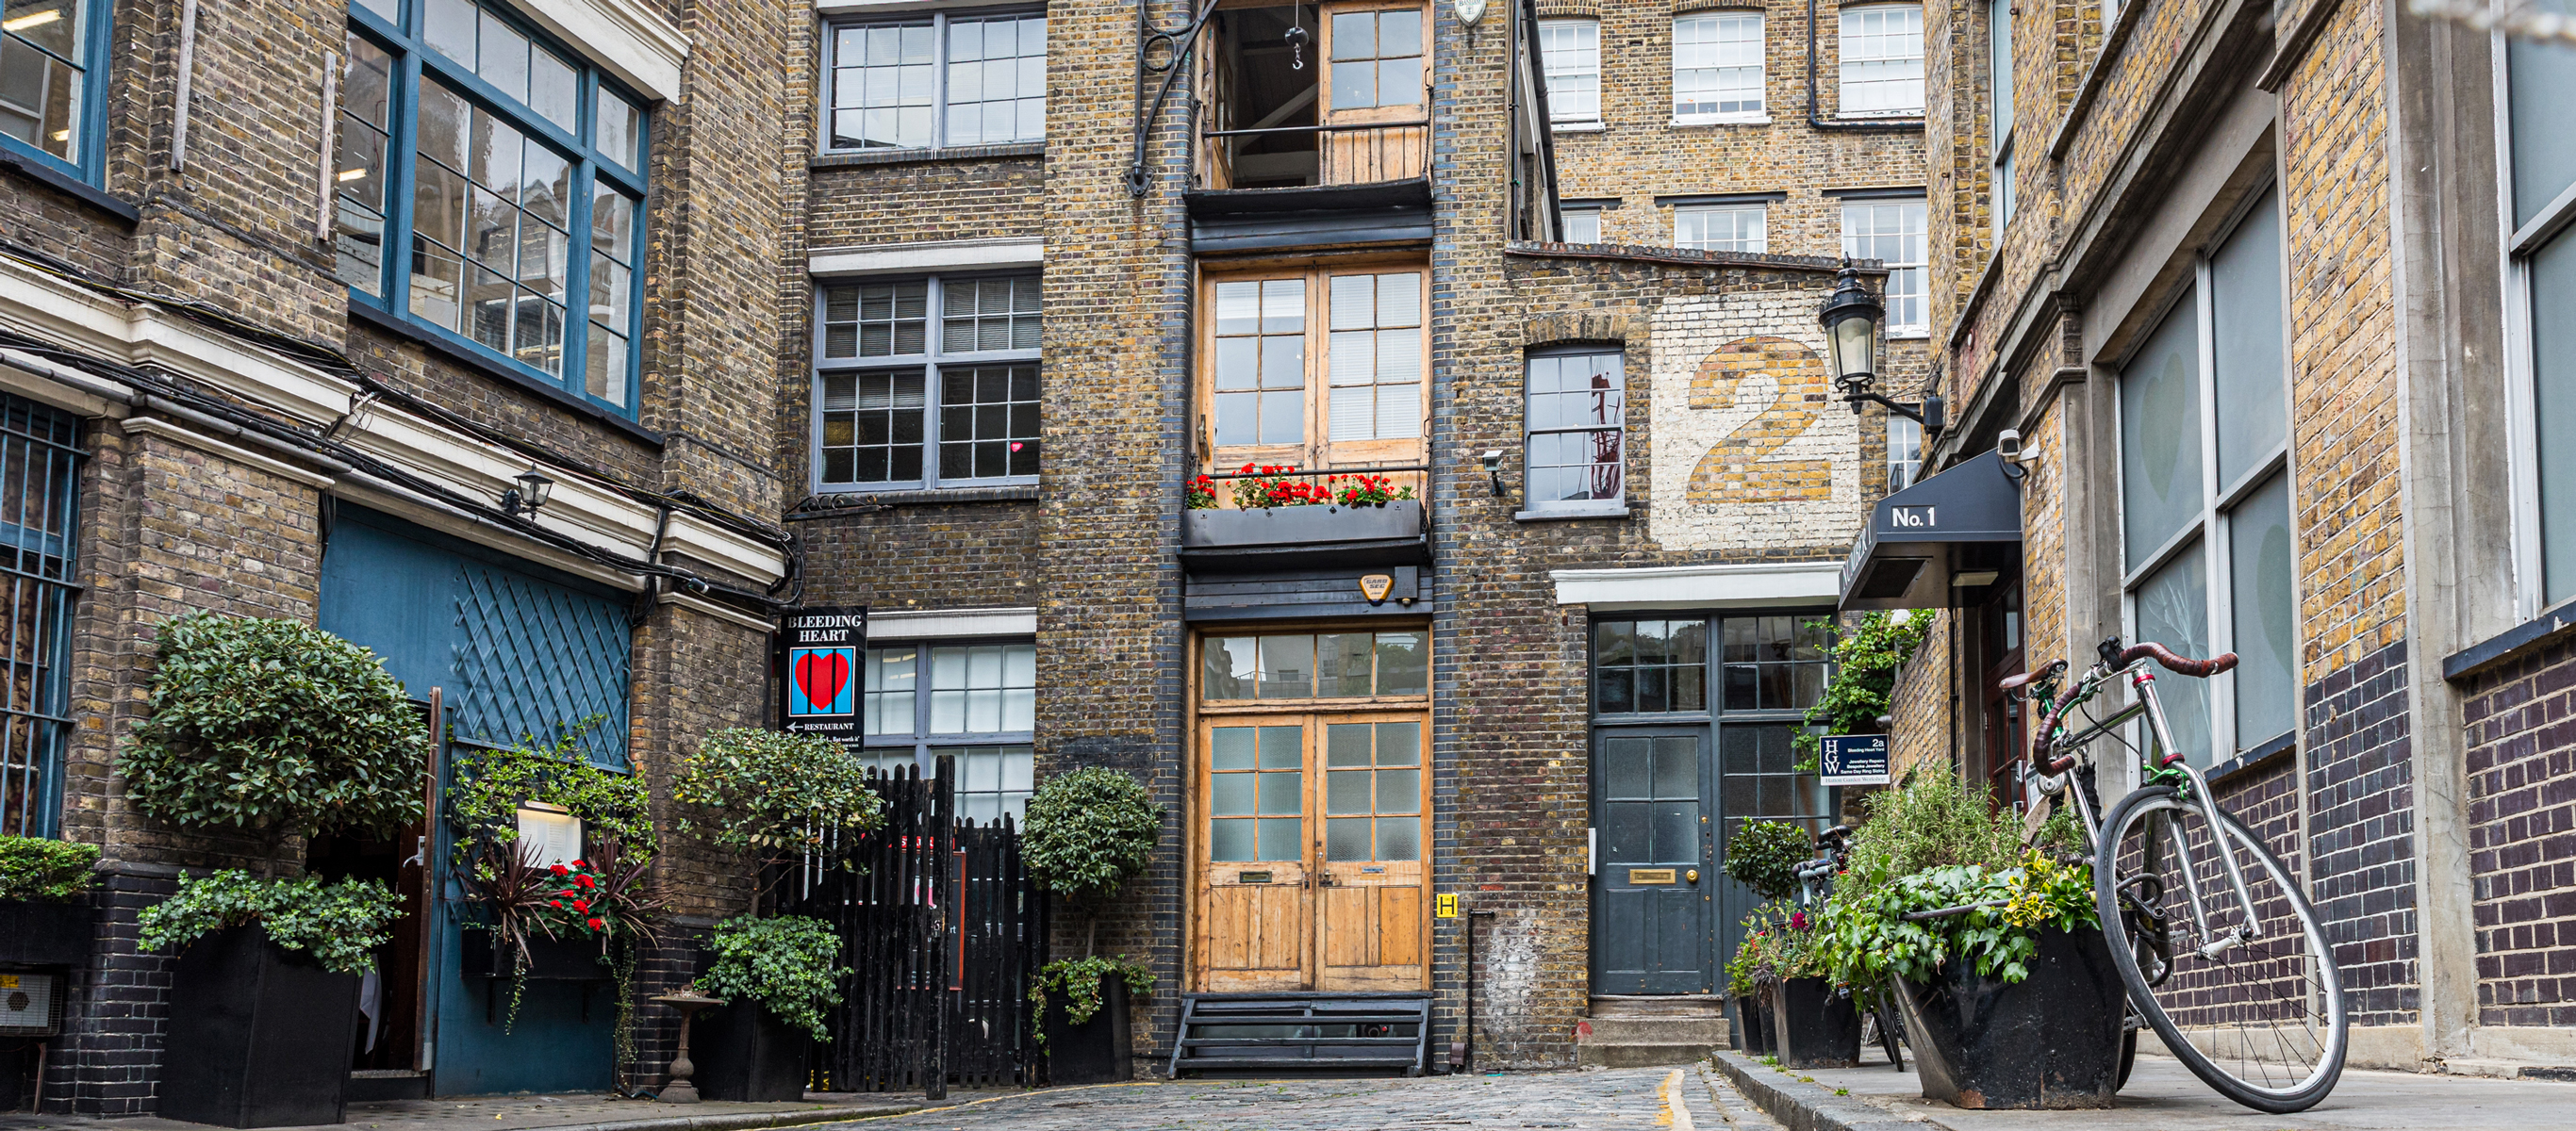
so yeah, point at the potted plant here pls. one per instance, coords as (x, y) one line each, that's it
(1763, 856)
(1088, 833)
(1275, 505)
(277, 730)
(535, 916)
(773, 798)
(264, 995)
(2009, 993)
(43, 919)
(1814, 1021)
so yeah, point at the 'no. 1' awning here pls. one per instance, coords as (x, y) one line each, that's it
(1939, 543)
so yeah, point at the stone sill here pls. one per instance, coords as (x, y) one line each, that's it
(833, 503)
(2513, 643)
(2250, 762)
(1692, 123)
(866, 157)
(1564, 512)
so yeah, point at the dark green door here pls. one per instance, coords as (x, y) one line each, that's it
(1651, 884)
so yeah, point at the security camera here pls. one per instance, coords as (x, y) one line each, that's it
(2008, 445)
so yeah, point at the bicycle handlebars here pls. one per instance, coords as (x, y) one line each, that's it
(2114, 658)
(2179, 665)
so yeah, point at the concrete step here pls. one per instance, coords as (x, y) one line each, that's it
(1658, 1005)
(1659, 1030)
(1591, 1053)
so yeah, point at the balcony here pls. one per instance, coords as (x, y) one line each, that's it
(1220, 535)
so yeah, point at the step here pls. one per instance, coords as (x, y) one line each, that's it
(1658, 1030)
(1588, 1054)
(1658, 1005)
(375, 1085)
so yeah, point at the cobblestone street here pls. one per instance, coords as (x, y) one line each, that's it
(1631, 1098)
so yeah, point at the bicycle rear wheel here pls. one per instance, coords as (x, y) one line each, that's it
(2260, 1019)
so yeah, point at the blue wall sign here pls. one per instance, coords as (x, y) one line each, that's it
(819, 655)
(1854, 759)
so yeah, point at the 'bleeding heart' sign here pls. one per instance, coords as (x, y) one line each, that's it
(820, 651)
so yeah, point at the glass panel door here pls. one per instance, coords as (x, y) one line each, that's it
(1256, 904)
(1371, 905)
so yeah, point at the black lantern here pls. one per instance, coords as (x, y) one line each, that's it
(532, 492)
(1850, 319)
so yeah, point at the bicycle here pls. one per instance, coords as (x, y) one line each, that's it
(2237, 980)
(1815, 885)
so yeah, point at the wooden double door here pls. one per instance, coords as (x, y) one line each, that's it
(1312, 835)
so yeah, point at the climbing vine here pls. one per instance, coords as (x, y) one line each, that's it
(1866, 658)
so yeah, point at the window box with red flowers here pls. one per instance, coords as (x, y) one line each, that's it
(1280, 517)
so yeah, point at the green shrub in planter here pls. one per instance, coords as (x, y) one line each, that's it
(52, 871)
(774, 795)
(1088, 833)
(784, 962)
(274, 727)
(341, 923)
(1765, 855)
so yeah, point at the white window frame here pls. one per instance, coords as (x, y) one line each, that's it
(1721, 20)
(2213, 529)
(1906, 437)
(921, 745)
(1916, 271)
(939, 22)
(1844, 42)
(1591, 210)
(929, 363)
(1999, 111)
(2550, 223)
(1534, 507)
(1761, 209)
(1565, 63)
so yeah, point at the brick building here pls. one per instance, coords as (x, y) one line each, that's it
(244, 368)
(1552, 277)
(2267, 293)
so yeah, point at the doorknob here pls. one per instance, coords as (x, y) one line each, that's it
(1692, 875)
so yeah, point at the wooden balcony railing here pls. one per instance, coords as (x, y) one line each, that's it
(1353, 154)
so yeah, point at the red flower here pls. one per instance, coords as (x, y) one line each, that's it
(598, 925)
(555, 902)
(581, 905)
(579, 864)
(586, 881)
(560, 869)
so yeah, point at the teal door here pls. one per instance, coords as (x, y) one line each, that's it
(1652, 885)
(517, 649)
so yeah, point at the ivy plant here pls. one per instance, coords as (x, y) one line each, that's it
(1079, 980)
(341, 923)
(491, 785)
(1088, 833)
(52, 871)
(275, 727)
(1764, 856)
(775, 795)
(1866, 657)
(785, 962)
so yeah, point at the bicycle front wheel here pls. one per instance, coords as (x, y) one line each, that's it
(2253, 1005)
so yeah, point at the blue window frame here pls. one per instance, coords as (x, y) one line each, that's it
(490, 186)
(40, 458)
(53, 77)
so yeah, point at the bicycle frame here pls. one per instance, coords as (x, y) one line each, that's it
(2058, 752)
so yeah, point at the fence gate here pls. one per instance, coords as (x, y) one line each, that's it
(943, 933)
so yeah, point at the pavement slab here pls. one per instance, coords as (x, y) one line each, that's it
(1627, 1099)
(2161, 1095)
(580, 1112)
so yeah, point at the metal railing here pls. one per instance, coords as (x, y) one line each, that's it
(40, 460)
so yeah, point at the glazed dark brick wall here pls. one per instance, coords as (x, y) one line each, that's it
(2522, 836)
(109, 1058)
(2361, 834)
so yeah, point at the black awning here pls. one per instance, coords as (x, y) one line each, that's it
(1940, 543)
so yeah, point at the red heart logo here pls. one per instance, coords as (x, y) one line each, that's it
(822, 675)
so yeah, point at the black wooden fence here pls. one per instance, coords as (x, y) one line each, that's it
(943, 933)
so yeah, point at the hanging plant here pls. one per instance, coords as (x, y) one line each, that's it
(1866, 658)
(274, 727)
(491, 785)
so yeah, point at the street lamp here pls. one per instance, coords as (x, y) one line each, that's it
(531, 493)
(1850, 318)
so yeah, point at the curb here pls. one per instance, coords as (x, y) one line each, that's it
(1805, 1107)
(743, 1121)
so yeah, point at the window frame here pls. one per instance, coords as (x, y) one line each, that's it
(1761, 113)
(925, 744)
(1318, 451)
(1548, 73)
(928, 363)
(2517, 246)
(413, 62)
(90, 164)
(2211, 530)
(1919, 270)
(1760, 208)
(1564, 211)
(938, 20)
(1844, 60)
(1617, 503)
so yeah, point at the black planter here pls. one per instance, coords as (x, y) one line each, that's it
(549, 960)
(259, 1035)
(1753, 1025)
(1097, 1051)
(2052, 1041)
(745, 1052)
(1813, 1027)
(44, 934)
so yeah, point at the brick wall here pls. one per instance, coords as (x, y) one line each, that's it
(2520, 841)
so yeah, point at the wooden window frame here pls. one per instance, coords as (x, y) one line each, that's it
(1317, 452)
